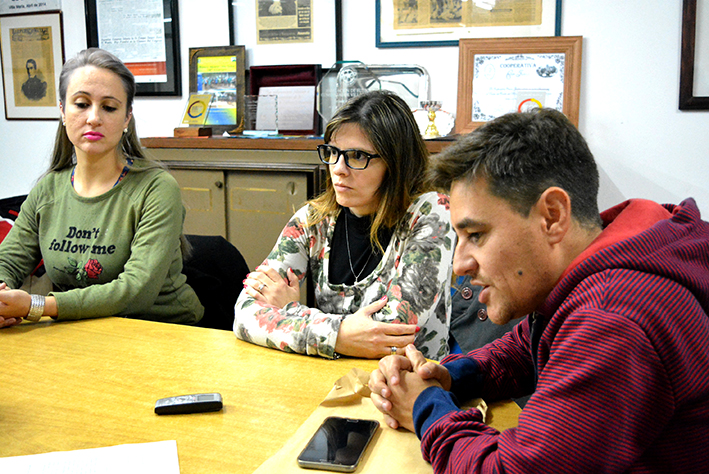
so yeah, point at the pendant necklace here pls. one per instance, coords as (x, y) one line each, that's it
(349, 255)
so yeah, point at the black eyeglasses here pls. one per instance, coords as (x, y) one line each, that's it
(354, 159)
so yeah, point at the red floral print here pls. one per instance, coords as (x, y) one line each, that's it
(93, 269)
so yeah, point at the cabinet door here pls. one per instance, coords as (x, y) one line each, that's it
(203, 196)
(259, 206)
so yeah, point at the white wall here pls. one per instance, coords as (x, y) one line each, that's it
(644, 145)
(25, 146)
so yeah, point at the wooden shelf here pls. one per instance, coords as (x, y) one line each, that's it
(232, 143)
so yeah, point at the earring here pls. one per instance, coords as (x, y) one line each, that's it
(125, 130)
(63, 123)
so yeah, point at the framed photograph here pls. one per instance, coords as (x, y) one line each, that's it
(220, 71)
(694, 66)
(145, 35)
(501, 75)
(32, 58)
(274, 30)
(294, 86)
(410, 23)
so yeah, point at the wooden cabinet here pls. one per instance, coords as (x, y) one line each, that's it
(259, 204)
(245, 190)
(203, 195)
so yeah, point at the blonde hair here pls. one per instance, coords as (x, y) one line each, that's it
(63, 154)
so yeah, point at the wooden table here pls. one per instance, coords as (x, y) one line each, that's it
(93, 383)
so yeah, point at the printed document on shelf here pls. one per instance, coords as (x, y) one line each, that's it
(146, 458)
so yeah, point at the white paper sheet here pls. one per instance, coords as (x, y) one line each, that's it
(145, 458)
(296, 106)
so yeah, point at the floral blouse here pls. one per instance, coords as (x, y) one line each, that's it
(414, 273)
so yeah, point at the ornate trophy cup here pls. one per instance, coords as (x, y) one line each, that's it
(431, 106)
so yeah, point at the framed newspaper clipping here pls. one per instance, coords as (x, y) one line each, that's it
(501, 75)
(274, 30)
(32, 58)
(409, 23)
(145, 35)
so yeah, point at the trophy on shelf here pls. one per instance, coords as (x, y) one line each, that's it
(431, 107)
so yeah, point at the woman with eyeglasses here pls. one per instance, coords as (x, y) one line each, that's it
(379, 248)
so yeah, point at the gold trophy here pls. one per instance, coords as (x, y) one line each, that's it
(431, 106)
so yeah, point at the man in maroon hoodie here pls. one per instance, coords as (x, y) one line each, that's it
(615, 345)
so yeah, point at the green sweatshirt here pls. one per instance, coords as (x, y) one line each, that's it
(117, 254)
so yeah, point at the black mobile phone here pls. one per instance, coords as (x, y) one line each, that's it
(338, 445)
(196, 403)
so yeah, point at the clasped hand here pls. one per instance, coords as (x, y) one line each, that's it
(267, 286)
(14, 305)
(398, 382)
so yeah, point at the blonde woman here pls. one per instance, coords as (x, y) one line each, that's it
(105, 220)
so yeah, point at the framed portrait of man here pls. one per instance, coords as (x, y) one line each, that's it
(32, 58)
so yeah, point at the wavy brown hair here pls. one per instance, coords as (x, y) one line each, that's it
(387, 122)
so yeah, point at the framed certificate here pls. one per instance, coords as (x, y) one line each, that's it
(145, 35)
(501, 75)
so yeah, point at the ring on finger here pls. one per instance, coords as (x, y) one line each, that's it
(393, 350)
(261, 287)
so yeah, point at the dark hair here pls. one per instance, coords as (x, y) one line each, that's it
(388, 123)
(520, 155)
(63, 154)
(34, 63)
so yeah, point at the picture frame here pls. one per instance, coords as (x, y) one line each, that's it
(425, 23)
(501, 75)
(295, 86)
(32, 49)
(156, 65)
(220, 70)
(693, 77)
(324, 48)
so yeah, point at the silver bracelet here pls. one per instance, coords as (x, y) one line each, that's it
(36, 308)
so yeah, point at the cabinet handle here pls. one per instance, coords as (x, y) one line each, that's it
(291, 188)
(219, 184)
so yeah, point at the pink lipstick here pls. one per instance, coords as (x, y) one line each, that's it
(93, 136)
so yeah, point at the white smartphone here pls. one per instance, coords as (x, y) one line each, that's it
(338, 445)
